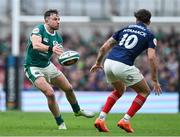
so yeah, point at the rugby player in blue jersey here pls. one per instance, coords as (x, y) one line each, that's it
(123, 47)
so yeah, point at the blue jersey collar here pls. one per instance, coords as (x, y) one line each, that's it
(141, 24)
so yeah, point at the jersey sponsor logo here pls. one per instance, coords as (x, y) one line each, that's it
(56, 43)
(155, 41)
(35, 30)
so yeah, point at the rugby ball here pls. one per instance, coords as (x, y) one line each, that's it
(68, 58)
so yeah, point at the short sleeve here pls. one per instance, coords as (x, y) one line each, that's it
(116, 35)
(37, 31)
(152, 41)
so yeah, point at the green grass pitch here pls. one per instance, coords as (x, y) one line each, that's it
(42, 124)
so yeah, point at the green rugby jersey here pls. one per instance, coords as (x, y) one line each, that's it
(39, 58)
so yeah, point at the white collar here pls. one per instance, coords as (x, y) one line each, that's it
(48, 31)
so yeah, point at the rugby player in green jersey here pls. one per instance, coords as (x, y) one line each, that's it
(43, 42)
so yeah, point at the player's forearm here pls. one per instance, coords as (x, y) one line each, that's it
(154, 70)
(104, 49)
(40, 47)
(99, 58)
(102, 52)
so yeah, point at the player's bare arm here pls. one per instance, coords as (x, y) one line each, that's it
(102, 52)
(154, 71)
(38, 45)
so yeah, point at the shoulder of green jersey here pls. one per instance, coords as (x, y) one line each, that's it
(34, 34)
(36, 30)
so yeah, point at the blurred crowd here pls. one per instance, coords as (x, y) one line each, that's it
(168, 51)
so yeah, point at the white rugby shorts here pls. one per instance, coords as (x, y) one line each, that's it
(48, 72)
(115, 71)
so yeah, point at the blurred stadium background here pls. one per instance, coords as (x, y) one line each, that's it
(85, 25)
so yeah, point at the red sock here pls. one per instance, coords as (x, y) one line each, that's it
(111, 100)
(136, 105)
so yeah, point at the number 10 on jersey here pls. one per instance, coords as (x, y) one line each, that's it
(129, 41)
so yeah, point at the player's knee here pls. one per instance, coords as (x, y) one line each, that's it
(50, 93)
(69, 89)
(146, 93)
(120, 91)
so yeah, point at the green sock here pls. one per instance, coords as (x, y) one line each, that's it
(75, 107)
(59, 120)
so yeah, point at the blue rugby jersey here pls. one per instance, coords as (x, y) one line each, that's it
(132, 41)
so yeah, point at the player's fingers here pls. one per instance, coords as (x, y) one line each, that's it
(58, 50)
(61, 51)
(160, 90)
(99, 67)
(157, 90)
(95, 68)
(92, 69)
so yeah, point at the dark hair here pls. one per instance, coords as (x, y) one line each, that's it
(50, 12)
(143, 15)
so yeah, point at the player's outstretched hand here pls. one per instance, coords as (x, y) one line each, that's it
(157, 88)
(58, 50)
(96, 67)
